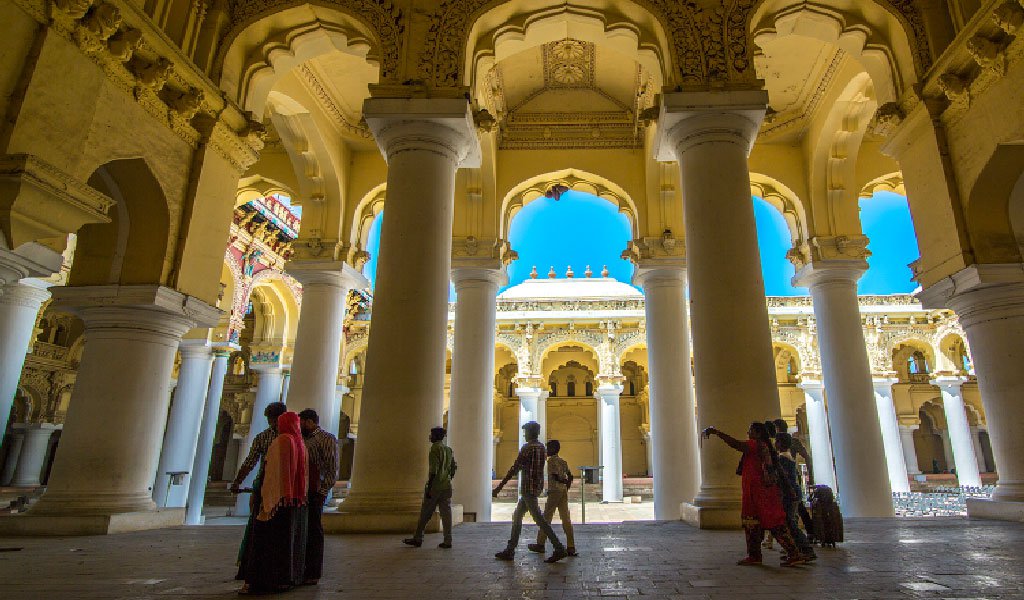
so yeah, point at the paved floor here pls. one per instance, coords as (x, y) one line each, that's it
(596, 512)
(882, 559)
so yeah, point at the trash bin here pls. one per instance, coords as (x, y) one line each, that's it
(591, 474)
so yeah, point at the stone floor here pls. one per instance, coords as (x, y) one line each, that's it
(615, 512)
(882, 559)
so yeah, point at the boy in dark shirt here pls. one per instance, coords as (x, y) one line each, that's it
(791, 494)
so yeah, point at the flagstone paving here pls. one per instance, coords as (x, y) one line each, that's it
(882, 559)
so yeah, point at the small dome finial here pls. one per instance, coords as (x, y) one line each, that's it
(551, 273)
(533, 272)
(588, 273)
(569, 273)
(604, 271)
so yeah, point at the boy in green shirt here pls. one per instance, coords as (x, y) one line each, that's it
(437, 494)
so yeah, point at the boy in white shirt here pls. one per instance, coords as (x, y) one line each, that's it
(559, 481)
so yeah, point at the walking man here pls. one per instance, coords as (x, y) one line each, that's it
(559, 481)
(437, 494)
(322, 452)
(530, 463)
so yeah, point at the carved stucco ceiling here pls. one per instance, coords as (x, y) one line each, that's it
(568, 94)
(797, 72)
(339, 83)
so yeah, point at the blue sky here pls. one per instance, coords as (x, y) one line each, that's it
(581, 229)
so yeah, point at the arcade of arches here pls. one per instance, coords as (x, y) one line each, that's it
(189, 187)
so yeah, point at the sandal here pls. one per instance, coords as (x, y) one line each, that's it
(748, 562)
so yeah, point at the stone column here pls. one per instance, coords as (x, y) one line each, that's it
(979, 450)
(821, 440)
(287, 381)
(862, 475)
(110, 445)
(334, 423)
(529, 405)
(608, 393)
(182, 434)
(947, 449)
(894, 457)
(989, 301)
(960, 439)
(318, 337)
(268, 390)
(33, 453)
(207, 433)
(424, 142)
(19, 307)
(909, 449)
(672, 442)
(14, 443)
(710, 134)
(471, 412)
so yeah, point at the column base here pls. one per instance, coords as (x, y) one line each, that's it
(61, 525)
(385, 521)
(723, 516)
(998, 510)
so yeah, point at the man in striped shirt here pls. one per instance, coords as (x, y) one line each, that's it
(322, 455)
(530, 463)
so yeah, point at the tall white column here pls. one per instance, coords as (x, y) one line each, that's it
(529, 405)
(471, 412)
(947, 449)
(182, 434)
(334, 422)
(989, 301)
(33, 453)
(107, 458)
(286, 382)
(710, 135)
(318, 337)
(861, 467)
(672, 442)
(611, 440)
(960, 439)
(894, 457)
(909, 449)
(207, 433)
(19, 307)
(14, 443)
(979, 451)
(268, 390)
(821, 440)
(424, 142)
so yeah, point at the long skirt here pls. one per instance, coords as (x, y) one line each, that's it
(276, 557)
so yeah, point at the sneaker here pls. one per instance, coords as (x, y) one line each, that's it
(445, 545)
(505, 555)
(792, 561)
(571, 551)
(412, 542)
(556, 556)
(539, 548)
(748, 561)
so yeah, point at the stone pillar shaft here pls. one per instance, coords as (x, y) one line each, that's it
(182, 432)
(471, 412)
(672, 442)
(268, 390)
(710, 135)
(33, 454)
(894, 456)
(861, 468)
(820, 439)
(611, 442)
(909, 449)
(109, 449)
(207, 433)
(960, 442)
(424, 142)
(19, 307)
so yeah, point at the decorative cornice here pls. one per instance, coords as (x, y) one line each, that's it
(312, 82)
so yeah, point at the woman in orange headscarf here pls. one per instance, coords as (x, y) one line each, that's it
(276, 561)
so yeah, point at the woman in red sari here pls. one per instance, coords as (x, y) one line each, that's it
(762, 507)
(276, 560)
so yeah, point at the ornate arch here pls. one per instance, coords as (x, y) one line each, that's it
(784, 200)
(548, 341)
(366, 211)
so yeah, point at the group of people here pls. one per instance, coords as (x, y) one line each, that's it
(283, 544)
(530, 465)
(772, 500)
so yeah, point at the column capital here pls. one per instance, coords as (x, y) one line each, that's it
(469, 273)
(440, 125)
(529, 393)
(979, 293)
(884, 383)
(689, 118)
(950, 383)
(35, 427)
(152, 308)
(660, 272)
(194, 349)
(843, 271)
(224, 350)
(332, 273)
(814, 387)
(28, 293)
